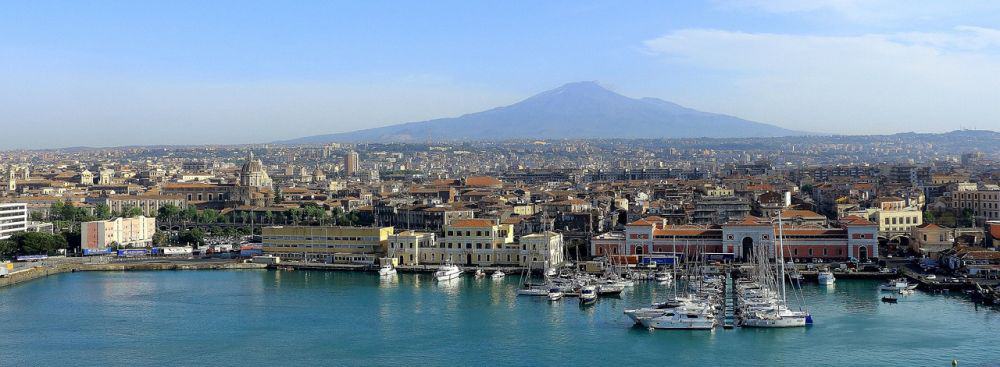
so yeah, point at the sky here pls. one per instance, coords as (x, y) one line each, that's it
(113, 73)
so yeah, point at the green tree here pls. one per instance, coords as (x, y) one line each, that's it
(194, 237)
(929, 217)
(102, 212)
(8, 249)
(168, 213)
(160, 238)
(37, 243)
(133, 212)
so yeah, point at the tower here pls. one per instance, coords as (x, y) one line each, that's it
(351, 163)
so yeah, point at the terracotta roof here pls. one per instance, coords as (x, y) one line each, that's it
(472, 223)
(482, 181)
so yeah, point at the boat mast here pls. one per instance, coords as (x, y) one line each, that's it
(781, 258)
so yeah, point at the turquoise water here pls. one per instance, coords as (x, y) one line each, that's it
(212, 318)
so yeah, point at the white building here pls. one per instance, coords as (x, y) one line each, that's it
(120, 232)
(542, 250)
(13, 219)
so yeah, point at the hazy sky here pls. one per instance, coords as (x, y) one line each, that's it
(176, 72)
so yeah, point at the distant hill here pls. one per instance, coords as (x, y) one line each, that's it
(572, 111)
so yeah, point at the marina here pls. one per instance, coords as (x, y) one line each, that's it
(323, 317)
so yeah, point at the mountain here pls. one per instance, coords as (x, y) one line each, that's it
(572, 111)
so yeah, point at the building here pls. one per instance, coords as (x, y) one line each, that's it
(149, 204)
(100, 236)
(541, 250)
(253, 174)
(481, 242)
(930, 239)
(895, 217)
(13, 219)
(351, 163)
(983, 204)
(361, 245)
(405, 248)
(650, 237)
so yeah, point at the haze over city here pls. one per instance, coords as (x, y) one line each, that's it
(114, 74)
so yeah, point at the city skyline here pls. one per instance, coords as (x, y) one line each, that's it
(228, 74)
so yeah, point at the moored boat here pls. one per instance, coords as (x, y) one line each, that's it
(588, 295)
(447, 272)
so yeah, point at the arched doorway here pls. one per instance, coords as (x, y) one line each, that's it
(747, 247)
(863, 253)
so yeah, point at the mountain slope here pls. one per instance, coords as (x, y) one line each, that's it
(574, 110)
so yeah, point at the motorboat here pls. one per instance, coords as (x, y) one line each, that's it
(682, 319)
(480, 273)
(447, 272)
(825, 277)
(497, 275)
(555, 294)
(588, 295)
(610, 289)
(387, 270)
(897, 285)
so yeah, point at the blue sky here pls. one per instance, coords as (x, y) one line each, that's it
(104, 73)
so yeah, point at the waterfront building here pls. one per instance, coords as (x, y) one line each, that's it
(327, 244)
(930, 239)
(481, 242)
(894, 216)
(652, 237)
(98, 236)
(13, 219)
(407, 247)
(541, 250)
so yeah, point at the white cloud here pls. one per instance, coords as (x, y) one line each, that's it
(871, 83)
(869, 11)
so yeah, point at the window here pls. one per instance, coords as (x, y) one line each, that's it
(810, 252)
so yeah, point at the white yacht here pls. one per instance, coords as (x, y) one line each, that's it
(826, 277)
(588, 295)
(682, 318)
(782, 318)
(386, 270)
(480, 273)
(897, 285)
(555, 294)
(497, 275)
(447, 272)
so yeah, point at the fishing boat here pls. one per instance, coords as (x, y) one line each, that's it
(447, 272)
(555, 294)
(897, 285)
(497, 275)
(387, 270)
(588, 295)
(825, 277)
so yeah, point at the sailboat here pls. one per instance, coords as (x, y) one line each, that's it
(764, 302)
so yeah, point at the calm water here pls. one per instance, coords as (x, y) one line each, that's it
(213, 318)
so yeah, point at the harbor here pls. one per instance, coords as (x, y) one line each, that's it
(295, 317)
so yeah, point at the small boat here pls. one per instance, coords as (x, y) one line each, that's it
(480, 273)
(588, 295)
(386, 271)
(497, 275)
(447, 272)
(890, 299)
(897, 285)
(555, 294)
(663, 277)
(826, 277)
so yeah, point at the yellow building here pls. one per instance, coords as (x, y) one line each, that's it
(478, 242)
(406, 247)
(894, 216)
(327, 244)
